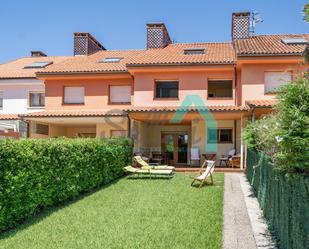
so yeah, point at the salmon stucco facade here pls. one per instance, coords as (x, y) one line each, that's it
(137, 93)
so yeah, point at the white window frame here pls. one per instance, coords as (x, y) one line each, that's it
(29, 99)
(73, 102)
(111, 101)
(273, 86)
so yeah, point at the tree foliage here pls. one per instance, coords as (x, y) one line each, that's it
(284, 135)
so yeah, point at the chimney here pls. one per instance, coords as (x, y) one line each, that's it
(157, 35)
(37, 54)
(240, 25)
(86, 44)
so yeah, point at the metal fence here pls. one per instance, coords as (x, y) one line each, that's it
(284, 200)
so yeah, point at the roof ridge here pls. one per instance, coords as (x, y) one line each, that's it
(197, 43)
(256, 35)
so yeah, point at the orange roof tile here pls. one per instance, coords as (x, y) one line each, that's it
(213, 108)
(261, 103)
(8, 116)
(215, 53)
(15, 69)
(73, 114)
(91, 63)
(269, 45)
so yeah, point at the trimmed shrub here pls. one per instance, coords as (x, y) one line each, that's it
(283, 199)
(36, 173)
(284, 135)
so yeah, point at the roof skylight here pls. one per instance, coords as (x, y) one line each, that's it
(39, 64)
(111, 59)
(194, 51)
(294, 41)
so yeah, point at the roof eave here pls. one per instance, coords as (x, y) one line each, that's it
(267, 54)
(178, 64)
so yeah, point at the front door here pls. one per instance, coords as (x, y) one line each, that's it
(175, 147)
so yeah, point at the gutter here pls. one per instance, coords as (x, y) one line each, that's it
(257, 55)
(180, 64)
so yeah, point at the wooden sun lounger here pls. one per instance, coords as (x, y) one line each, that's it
(207, 173)
(150, 172)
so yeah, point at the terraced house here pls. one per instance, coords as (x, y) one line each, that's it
(102, 93)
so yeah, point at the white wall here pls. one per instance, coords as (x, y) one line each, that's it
(16, 94)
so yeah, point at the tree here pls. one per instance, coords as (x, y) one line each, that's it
(306, 18)
(306, 12)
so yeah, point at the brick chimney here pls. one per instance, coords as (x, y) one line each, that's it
(86, 44)
(157, 35)
(37, 54)
(240, 25)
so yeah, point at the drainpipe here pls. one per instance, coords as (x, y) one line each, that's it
(235, 134)
(252, 115)
(129, 126)
(235, 79)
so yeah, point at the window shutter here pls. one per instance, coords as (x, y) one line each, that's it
(74, 95)
(273, 80)
(120, 94)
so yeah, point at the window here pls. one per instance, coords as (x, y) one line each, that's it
(295, 41)
(166, 89)
(118, 133)
(194, 51)
(111, 59)
(220, 88)
(1, 100)
(74, 95)
(39, 129)
(39, 64)
(36, 99)
(273, 80)
(120, 94)
(221, 135)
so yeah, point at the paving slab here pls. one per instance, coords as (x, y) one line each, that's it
(260, 229)
(237, 230)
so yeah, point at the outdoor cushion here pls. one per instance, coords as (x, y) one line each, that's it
(144, 165)
(148, 171)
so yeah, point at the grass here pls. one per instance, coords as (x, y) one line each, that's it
(130, 213)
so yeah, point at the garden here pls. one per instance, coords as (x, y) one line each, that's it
(71, 193)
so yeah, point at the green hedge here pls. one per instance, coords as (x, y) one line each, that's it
(284, 200)
(36, 173)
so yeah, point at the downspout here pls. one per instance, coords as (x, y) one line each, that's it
(235, 79)
(235, 134)
(252, 115)
(129, 126)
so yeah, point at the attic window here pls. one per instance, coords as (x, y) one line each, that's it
(39, 64)
(295, 41)
(194, 51)
(111, 59)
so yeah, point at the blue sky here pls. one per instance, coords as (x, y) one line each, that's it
(120, 24)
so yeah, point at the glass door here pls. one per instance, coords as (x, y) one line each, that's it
(182, 149)
(175, 147)
(168, 148)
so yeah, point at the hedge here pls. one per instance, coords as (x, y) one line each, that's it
(284, 200)
(36, 173)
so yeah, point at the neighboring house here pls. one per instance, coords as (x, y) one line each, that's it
(20, 91)
(102, 93)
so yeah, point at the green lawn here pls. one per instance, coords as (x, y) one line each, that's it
(130, 213)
